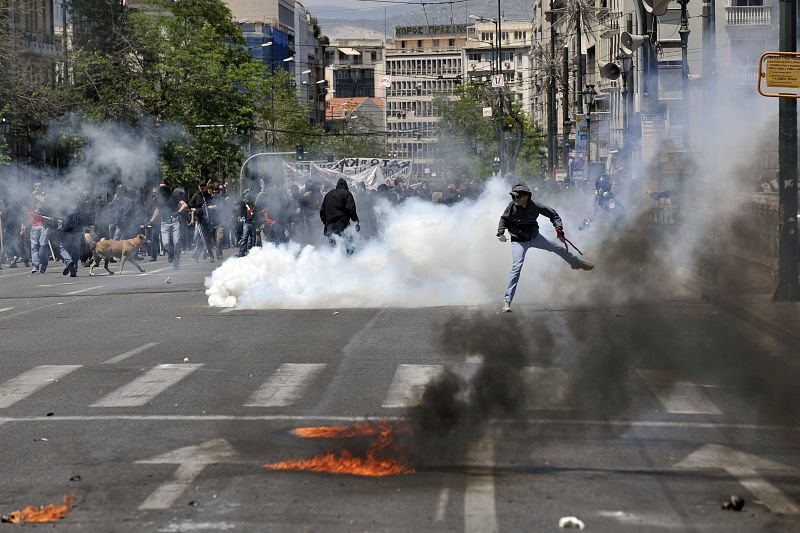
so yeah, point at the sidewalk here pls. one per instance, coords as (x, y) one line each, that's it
(780, 320)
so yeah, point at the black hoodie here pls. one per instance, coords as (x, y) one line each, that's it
(338, 208)
(521, 221)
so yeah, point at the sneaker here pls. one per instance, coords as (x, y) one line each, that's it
(65, 271)
(506, 306)
(73, 275)
(42, 270)
(582, 265)
(34, 271)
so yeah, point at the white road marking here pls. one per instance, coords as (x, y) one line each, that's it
(547, 388)
(408, 383)
(144, 388)
(192, 461)
(441, 507)
(39, 308)
(130, 353)
(285, 387)
(770, 495)
(57, 284)
(227, 310)
(678, 396)
(87, 289)
(480, 513)
(743, 466)
(22, 386)
(154, 271)
(631, 424)
(3, 310)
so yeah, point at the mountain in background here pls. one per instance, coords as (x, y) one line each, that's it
(344, 23)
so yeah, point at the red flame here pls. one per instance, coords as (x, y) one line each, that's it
(48, 513)
(381, 457)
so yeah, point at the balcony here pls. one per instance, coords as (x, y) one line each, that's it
(609, 24)
(748, 15)
(740, 75)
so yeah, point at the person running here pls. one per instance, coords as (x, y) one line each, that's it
(519, 218)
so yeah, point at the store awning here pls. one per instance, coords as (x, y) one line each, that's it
(350, 51)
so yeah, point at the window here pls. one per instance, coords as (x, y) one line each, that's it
(419, 43)
(747, 3)
(451, 43)
(487, 36)
(474, 56)
(503, 35)
(520, 35)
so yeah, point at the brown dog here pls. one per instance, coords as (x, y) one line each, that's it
(123, 250)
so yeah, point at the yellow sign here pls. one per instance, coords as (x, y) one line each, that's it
(783, 72)
(779, 71)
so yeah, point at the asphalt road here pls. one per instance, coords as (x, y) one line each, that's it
(159, 412)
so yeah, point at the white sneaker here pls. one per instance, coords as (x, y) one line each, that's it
(506, 306)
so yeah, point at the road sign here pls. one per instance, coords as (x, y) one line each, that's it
(498, 80)
(487, 111)
(385, 81)
(779, 74)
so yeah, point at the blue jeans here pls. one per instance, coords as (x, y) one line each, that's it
(40, 251)
(171, 240)
(71, 250)
(248, 238)
(518, 251)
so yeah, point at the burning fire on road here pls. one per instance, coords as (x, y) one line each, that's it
(385, 455)
(38, 515)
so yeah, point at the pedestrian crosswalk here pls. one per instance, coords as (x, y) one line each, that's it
(291, 384)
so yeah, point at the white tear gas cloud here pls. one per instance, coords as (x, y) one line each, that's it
(110, 154)
(426, 255)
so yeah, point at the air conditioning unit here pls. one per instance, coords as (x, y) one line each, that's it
(506, 65)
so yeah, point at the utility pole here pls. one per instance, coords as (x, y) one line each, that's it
(501, 130)
(565, 105)
(579, 46)
(788, 289)
(551, 99)
(684, 33)
(709, 60)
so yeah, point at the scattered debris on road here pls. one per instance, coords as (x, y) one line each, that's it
(734, 503)
(49, 414)
(336, 312)
(36, 515)
(75, 478)
(167, 282)
(570, 522)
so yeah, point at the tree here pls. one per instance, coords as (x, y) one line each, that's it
(464, 130)
(185, 64)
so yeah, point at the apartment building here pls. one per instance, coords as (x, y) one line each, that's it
(422, 62)
(280, 33)
(480, 57)
(353, 68)
(32, 38)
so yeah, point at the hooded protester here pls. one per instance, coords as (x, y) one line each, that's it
(338, 209)
(519, 218)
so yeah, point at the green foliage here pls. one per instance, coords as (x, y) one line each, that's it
(463, 130)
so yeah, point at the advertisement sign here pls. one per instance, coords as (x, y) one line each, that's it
(654, 129)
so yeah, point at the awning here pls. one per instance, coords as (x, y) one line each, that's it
(350, 51)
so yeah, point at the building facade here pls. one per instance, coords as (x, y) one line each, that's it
(422, 62)
(353, 68)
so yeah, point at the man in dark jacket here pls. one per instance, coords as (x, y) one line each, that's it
(519, 219)
(338, 209)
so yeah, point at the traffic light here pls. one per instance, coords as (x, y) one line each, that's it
(300, 151)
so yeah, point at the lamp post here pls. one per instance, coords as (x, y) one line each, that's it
(684, 33)
(626, 63)
(589, 95)
(498, 70)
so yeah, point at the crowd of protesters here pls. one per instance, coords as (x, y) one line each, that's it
(37, 229)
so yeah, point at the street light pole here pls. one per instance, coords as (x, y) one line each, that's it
(684, 33)
(788, 289)
(501, 131)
